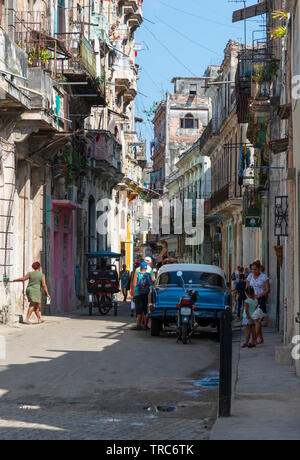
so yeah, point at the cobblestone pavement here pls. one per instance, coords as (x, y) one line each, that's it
(93, 378)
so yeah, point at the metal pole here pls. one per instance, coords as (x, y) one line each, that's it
(225, 390)
(278, 290)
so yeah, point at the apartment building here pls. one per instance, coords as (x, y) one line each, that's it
(67, 122)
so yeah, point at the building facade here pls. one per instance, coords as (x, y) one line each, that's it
(68, 142)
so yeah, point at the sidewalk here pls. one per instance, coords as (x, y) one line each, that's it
(266, 395)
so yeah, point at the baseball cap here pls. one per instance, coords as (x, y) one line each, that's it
(143, 265)
(148, 260)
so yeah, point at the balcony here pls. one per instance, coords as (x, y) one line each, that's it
(219, 197)
(137, 151)
(47, 102)
(135, 18)
(106, 153)
(13, 97)
(129, 7)
(75, 62)
(251, 203)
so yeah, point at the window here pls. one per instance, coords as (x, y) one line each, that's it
(189, 122)
(193, 89)
(191, 278)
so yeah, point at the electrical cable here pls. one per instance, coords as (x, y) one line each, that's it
(196, 15)
(169, 51)
(150, 78)
(189, 39)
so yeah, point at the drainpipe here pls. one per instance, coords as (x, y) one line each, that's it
(45, 229)
(24, 233)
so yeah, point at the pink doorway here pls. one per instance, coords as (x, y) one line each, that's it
(62, 256)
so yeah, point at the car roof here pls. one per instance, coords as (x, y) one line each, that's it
(192, 268)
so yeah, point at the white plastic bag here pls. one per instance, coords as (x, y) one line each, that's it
(258, 314)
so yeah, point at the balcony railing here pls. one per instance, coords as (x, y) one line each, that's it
(107, 149)
(220, 196)
(88, 56)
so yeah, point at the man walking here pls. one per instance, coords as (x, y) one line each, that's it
(140, 292)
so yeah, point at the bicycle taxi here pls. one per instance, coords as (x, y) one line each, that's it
(103, 282)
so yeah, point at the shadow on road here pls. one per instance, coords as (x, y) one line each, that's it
(88, 370)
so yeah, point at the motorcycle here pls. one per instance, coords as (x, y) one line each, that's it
(186, 317)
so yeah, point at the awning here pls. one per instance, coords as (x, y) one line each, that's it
(250, 11)
(67, 204)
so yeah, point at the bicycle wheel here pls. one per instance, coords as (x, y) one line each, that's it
(105, 305)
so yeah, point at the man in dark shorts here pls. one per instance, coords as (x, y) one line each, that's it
(140, 292)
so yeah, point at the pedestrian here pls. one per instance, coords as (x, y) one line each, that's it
(251, 304)
(240, 287)
(140, 292)
(163, 254)
(265, 319)
(246, 272)
(37, 281)
(148, 261)
(261, 285)
(129, 287)
(124, 275)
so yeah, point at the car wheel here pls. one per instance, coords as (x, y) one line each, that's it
(155, 327)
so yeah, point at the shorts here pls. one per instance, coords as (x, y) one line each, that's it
(245, 322)
(262, 302)
(141, 304)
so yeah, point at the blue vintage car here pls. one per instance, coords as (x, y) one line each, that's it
(213, 295)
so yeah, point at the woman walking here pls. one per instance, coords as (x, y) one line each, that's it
(37, 281)
(124, 282)
(261, 285)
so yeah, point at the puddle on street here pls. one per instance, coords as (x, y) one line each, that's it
(161, 408)
(211, 380)
(207, 382)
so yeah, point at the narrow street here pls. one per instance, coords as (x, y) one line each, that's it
(78, 377)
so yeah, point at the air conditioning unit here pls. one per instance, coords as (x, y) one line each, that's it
(72, 193)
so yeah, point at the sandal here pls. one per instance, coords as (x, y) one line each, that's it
(260, 342)
(137, 328)
(251, 345)
(245, 346)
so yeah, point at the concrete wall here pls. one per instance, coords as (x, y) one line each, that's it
(296, 141)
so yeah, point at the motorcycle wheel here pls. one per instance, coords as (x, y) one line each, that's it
(184, 333)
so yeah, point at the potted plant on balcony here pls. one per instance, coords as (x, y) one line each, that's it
(38, 57)
(262, 76)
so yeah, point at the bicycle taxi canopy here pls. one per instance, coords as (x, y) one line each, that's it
(103, 277)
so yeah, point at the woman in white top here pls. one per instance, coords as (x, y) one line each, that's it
(260, 282)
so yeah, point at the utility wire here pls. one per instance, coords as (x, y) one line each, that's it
(188, 38)
(150, 78)
(196, 15)
(170, 52)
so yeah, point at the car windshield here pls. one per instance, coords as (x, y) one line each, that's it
(193, 277)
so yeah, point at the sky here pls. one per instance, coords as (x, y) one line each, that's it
(182, 38)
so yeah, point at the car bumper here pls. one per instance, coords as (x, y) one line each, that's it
(172, 313)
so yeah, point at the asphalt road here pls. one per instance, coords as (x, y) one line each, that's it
(77, 377)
